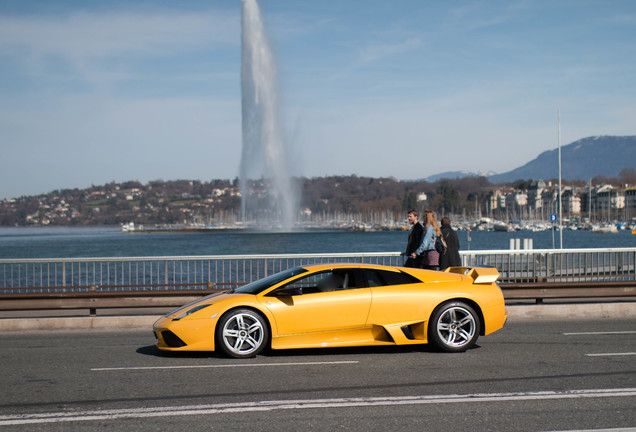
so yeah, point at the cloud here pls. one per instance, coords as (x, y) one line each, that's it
(64, 53)
(380, 51)
(86, 35)
(627, 19)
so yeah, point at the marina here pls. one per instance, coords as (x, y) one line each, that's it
(355, 224)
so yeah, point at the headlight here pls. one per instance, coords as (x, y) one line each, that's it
(191, 311)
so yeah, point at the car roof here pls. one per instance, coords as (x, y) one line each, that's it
(329, 266)
(421, 274)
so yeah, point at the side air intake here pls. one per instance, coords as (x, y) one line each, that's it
(171, 339)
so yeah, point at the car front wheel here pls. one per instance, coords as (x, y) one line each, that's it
(454, 327)
(242, 333)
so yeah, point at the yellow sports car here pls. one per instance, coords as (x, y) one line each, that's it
(341, 305)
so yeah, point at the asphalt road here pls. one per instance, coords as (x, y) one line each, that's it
(530, 376)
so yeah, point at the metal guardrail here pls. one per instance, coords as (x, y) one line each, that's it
(170, 281)
(557, 265)
(540, 291)
(160, 273)
(205, 272)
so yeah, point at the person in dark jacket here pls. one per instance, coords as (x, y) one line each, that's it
(415, 238)
(451, 258)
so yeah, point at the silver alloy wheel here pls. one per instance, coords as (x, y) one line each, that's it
(456, 326)
(243, 334)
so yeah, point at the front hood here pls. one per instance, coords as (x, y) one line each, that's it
(205, 300)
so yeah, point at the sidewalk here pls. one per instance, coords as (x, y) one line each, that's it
(529, 312)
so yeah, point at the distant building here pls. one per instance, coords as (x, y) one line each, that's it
(518, 199)
(609, 198)
(630, 203)
(607, 202)
(497, 200)
(535, 200)
(550, 201)
(570, 202)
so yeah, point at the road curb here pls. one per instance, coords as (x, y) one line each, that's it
(145, 322)
(78, 323)
(572, 311)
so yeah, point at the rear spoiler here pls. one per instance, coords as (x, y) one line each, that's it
(479, 275)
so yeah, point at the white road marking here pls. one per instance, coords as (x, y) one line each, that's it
(169, 411)
(605, 333)
(611, 354)
(628, 429)
(601, 333)
(225, 365)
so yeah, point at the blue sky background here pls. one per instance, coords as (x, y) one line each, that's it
(94, 91)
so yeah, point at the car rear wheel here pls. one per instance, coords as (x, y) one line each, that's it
(242, 333)
(454, 327)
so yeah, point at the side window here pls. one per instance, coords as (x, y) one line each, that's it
(397, 278)
(384, 278)
(373, 278)
(331, 280)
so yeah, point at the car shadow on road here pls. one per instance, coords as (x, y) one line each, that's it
(400, 349)
(152, 350)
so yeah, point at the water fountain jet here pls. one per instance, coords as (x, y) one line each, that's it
(264, 152)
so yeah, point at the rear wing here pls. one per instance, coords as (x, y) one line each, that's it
(479, 275)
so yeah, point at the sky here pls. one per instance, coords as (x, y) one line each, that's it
(93, 92)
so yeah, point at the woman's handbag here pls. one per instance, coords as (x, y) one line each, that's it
(440, 245)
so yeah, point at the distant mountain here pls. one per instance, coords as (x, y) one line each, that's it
(580, 160)
(458, 174)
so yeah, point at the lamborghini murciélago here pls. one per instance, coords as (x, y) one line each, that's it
(341, 305)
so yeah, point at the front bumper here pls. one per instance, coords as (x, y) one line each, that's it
(184, 335)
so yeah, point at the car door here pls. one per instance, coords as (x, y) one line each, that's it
(397, 297)
(322, 301)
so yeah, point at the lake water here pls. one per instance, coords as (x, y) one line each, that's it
(56, 242)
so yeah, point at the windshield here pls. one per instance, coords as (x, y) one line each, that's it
(262, 284)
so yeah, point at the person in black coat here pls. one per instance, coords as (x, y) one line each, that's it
(415, 238)
(451, 258)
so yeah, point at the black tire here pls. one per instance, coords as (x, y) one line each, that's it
(454, 327)
(242, 333)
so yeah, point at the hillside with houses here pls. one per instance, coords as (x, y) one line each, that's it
(328, 201)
